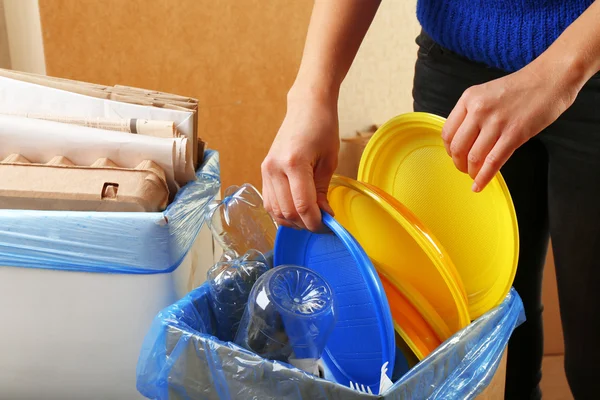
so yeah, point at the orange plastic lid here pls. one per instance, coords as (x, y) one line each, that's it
(410, 325)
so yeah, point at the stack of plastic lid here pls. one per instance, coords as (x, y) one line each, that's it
(407, 160)
(405, 253)
(412, 249)
(446, 255)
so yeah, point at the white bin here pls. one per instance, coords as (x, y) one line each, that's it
(71, 334)
(77, 335)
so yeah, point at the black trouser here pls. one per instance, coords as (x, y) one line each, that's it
(554, 180)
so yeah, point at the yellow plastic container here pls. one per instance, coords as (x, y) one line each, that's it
(402, 250)
(406, 158)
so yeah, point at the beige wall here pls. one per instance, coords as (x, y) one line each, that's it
(237, 57)
(24, 35)
(4, 50)
(379, 83)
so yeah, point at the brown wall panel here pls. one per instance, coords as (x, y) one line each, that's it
(238, 57)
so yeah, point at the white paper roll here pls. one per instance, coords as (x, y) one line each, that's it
(39, 141)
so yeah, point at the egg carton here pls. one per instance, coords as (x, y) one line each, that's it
(61, 185)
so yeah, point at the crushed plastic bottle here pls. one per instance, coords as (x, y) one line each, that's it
(240, 223)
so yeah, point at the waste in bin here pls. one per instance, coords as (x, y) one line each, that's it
(181, 359)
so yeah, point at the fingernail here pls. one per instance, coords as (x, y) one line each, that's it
(327, 208)
(475, 188)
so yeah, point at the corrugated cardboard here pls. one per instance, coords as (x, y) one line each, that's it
(60, 185)
(121, 94)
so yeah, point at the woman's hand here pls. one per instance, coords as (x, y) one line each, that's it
(297, 171)
(492, 120)
(303, 157)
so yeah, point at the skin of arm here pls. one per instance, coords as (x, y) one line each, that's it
(488, 124)
(492, 120)
(303, 157)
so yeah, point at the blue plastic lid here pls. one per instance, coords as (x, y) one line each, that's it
(363, 338)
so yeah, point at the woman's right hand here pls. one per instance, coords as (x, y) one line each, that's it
(297, 171)
(299, 166)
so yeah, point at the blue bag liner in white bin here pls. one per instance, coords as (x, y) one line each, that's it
(111, 242)
(181, 359)
(80, 290)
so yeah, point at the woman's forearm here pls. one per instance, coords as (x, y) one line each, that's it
(575, 56)
(336, 30)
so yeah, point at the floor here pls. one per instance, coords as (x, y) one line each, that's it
(554, 382)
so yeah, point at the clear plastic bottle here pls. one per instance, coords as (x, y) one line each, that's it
(230, 282)
(289, 317)
(240, 222)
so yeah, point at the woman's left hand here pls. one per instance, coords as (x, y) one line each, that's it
(492, 120)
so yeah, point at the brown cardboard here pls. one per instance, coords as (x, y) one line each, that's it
(61, 84)
(351, 150)
(237, 57)
(102, 186)
(121, 94)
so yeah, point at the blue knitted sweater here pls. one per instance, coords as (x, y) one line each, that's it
(506, 34)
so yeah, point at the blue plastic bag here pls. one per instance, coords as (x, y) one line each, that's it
(180, 359)
(111, 242)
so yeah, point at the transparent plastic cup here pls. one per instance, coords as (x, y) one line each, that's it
(289, 316)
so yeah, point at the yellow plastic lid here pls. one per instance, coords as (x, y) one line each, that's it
(406, 158)
(401, 250)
